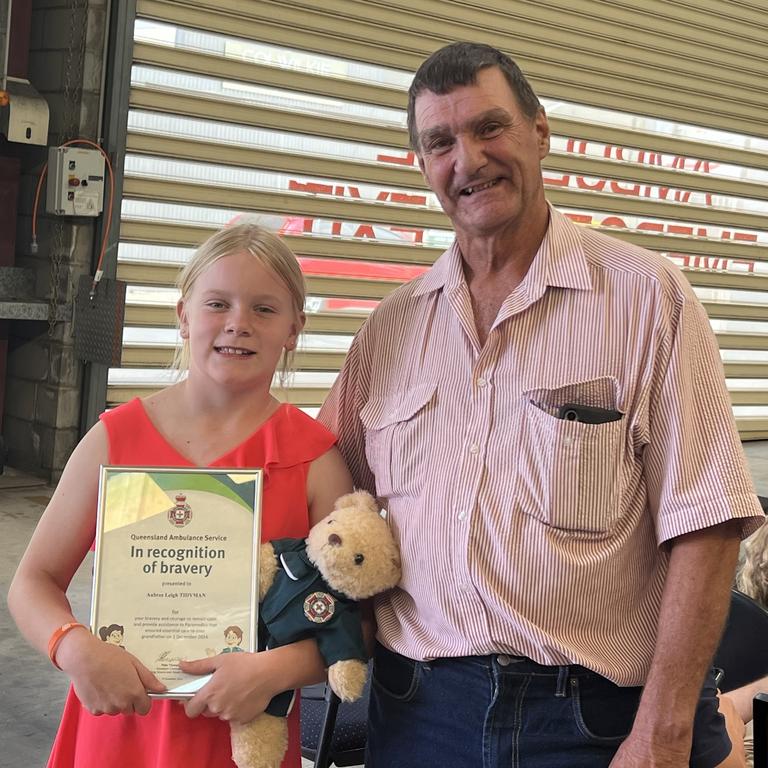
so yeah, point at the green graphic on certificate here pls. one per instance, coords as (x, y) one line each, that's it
(175, 575)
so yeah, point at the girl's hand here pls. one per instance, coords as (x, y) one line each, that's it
(108, 680)
(240, 689)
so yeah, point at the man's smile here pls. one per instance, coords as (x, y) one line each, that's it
(479, 187)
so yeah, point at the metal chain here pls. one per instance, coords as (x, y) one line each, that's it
(73, 68)
(73, 91)
(57, 261)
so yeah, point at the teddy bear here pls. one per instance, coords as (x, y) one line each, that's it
(310, 588)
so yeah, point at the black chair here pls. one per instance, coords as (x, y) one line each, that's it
(760, 710)
(332, 732)
(743, 650)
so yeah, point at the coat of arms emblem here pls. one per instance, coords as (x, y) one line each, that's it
(181, 513)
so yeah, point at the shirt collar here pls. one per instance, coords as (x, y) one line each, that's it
(560, 262)
(446, 272)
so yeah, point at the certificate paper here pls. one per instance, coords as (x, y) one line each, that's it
(175, 573)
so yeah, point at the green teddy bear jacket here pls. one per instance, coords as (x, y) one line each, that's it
(301, 604)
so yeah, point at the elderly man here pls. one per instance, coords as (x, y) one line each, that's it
(545, 417)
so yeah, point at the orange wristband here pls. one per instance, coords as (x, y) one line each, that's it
(57, 636)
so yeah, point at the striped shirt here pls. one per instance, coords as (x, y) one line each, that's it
(521, 532)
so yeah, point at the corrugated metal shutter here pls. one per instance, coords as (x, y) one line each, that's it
(295, 110)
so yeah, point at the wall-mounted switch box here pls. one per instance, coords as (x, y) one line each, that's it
(75, 182)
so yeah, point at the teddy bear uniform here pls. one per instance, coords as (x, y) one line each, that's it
(299, 604)
(284, 446)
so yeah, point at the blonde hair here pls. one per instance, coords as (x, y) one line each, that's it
(245, 235)
(752, 578)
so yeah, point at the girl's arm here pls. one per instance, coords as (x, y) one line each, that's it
(734, 726)
(245, 683)
(107, 679)
(742, 698)
(328, 478)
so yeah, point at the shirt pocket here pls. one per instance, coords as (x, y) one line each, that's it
(396, 441)
(569, 471)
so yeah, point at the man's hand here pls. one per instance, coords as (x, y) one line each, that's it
(693, 610)
(639, 752)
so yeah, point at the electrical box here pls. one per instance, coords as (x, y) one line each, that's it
(75, 182)
(23, 113)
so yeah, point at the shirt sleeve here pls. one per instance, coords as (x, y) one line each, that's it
(340, 413)
(695, 469)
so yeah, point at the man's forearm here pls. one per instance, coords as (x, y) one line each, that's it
(694, 607)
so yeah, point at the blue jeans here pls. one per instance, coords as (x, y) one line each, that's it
(505, 712)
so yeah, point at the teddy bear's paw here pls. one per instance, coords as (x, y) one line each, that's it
(260, 743)
(347, 679)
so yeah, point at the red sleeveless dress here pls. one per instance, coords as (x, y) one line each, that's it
(284, 446)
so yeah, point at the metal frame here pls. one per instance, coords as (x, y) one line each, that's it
(115, 90)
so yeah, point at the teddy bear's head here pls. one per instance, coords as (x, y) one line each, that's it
(353, 548)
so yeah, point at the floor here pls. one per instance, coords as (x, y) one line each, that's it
(32, 692)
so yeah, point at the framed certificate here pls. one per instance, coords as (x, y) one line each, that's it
(176, 568)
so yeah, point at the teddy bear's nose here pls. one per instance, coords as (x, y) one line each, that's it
(334, 540)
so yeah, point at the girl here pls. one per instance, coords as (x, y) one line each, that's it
(752, 577)
(240, 312)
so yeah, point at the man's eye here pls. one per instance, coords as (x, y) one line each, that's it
(215, 304)
(265, 310)
(491, 129)
(437, 146)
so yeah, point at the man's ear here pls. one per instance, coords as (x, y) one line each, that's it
(183, 322)
(542, 131)
(423, 169)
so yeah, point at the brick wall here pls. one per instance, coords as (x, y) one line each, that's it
(44, 381)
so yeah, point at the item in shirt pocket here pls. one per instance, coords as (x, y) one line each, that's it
(587, 414)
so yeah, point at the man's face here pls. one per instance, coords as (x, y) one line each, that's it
(481, 155)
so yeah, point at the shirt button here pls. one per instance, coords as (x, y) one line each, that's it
(474, 449)
(462, 515)
(464, 587)
(481, 382)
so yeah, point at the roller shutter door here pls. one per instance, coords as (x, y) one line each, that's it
(295, 111)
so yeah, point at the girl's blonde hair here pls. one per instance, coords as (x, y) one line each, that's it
(245, 235)
(752, 578)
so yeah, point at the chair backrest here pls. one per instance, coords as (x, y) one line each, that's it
(743, 650)
(760, 709)
(333, 733)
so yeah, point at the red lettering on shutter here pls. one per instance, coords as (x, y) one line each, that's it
(596, 186)
(562, 180)
(310, 186)
(409, 159)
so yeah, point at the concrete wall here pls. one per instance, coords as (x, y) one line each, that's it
(44, 381)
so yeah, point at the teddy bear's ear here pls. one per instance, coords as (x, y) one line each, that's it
(362, 500)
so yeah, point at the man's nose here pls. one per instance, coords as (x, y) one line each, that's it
(470, 155)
